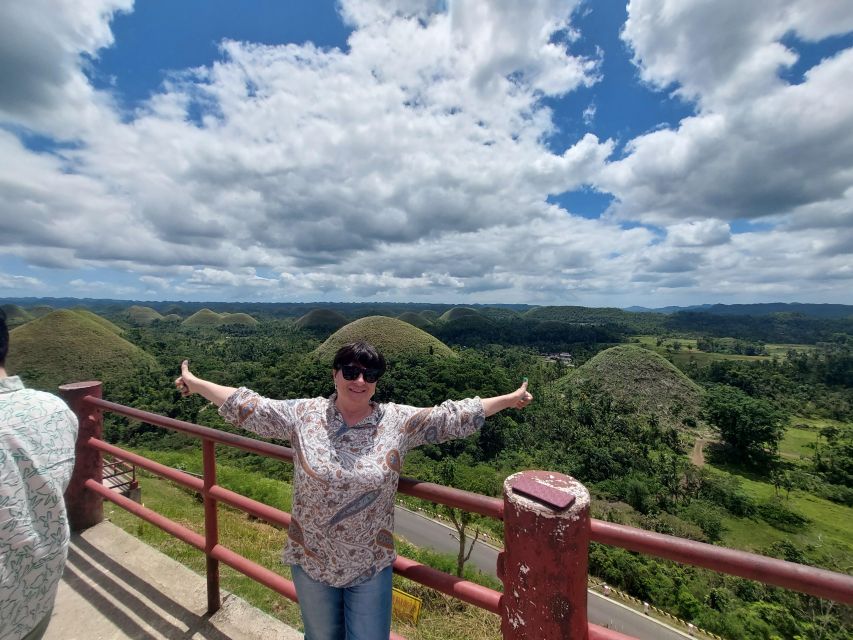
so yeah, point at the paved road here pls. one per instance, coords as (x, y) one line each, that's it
(425, 532)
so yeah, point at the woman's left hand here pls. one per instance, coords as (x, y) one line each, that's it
(521, 397)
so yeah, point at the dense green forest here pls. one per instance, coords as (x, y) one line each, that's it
(742, 435)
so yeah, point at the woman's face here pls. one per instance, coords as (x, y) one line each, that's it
(357, 390)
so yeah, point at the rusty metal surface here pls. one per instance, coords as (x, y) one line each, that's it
(790, 575)
(466, 500)
(220, 437)
(545, 561)
(470, 592)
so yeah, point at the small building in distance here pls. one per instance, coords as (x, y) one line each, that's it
(562, 357)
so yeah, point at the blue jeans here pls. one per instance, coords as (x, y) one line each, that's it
(362, 612)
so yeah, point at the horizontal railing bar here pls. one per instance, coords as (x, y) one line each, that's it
(185, 479)
(474, 502)
(250, 506)
(781, 573)
(169, 526)
(220, 437)
(464, 590)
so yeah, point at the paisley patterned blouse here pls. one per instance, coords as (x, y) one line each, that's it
(345, 478)
(37, 436)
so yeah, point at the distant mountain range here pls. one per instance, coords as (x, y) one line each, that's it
(759, 309)
(395, 308)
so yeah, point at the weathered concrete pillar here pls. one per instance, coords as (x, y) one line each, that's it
(545, 561)
(85, 508)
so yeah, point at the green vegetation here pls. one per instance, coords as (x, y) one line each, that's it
(68, 346)
(393, 337)
(93, 317)
(238, 318)
(456, 313)
(643, 382)
(322, 320)
(15, 315)
(415, 319)
(205, 319)
(138, 315)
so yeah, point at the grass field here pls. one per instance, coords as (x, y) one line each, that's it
(689, 350)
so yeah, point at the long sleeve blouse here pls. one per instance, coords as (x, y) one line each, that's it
(345, 478)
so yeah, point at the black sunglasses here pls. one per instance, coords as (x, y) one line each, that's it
(352, 371)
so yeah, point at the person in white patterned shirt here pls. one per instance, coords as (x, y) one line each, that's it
(348, 451)
(37, 437)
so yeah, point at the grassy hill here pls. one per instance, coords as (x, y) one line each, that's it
(140, 315)
(429, 314)
(68, 346)
(205, 319)
(40, 310)
(642, 379)
(15, 315)
(322, 320)
(414, 319)
(202, 319)
(238, 318)
(458, 312)
(94, 317)
(393, 337)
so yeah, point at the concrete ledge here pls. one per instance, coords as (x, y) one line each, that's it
(116, 587)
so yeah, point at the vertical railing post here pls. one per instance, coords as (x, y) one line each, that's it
(85, 508)
(545, 561)
(211, 525)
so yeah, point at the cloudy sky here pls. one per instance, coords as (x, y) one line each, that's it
(552, 151)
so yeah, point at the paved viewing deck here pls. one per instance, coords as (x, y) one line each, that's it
(116, 587)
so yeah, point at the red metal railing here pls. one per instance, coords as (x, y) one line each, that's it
(86, 491)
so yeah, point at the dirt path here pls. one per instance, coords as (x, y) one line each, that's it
(697, 456)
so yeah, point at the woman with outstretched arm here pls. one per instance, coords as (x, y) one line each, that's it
(348, 452)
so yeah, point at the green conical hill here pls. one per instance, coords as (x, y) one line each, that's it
(94, 317)
(642, 379)
(457, 312)
(40, 310)
(15, 315)
(139, 315)
(430, 315)
(202, 318)
(414, 319)
(67, 346)
(172, 317)
(394, 338)
(238, 318)
(323, 319)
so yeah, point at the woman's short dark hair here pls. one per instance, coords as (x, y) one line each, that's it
(361, 353)
(4, 338)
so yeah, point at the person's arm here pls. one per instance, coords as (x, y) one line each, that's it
(518, 399)
(189, 384)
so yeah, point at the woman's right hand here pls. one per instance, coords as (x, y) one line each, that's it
(186, 381)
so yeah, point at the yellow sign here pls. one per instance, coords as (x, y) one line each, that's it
(405, 606)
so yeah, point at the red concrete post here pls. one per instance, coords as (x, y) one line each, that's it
(545, 561)
(85, 508)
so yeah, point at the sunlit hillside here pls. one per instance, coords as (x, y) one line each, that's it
(643, 381)
(67, 346)
(391, 336)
